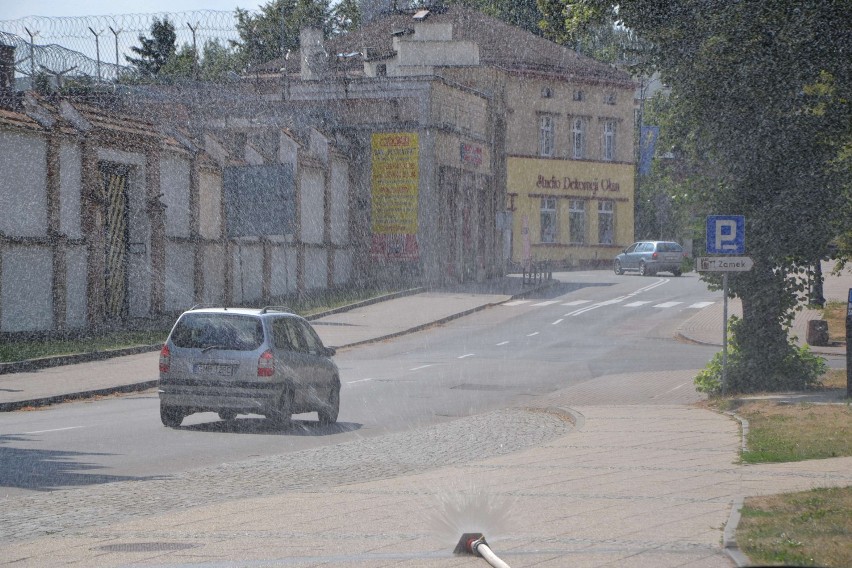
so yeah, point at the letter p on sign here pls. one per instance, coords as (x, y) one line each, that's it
(725, 234)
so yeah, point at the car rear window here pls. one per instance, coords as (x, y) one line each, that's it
(669, 247)
(222, 331)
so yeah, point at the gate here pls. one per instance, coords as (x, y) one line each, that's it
(114, 199)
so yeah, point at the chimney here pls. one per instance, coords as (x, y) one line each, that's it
(314, 58)
(7, 68)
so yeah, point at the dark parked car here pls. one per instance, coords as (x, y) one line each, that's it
(246, 361)
(649, 257)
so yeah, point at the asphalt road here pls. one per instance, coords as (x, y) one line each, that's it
(589, 325)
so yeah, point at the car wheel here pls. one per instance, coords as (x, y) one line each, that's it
(328, 414)
(618, 268)
(227, 414)
(282, 415)
(643, 270)
(172, 416)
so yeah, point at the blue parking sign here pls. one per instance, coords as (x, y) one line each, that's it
(725, 234)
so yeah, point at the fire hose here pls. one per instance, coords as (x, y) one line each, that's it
(474, 543)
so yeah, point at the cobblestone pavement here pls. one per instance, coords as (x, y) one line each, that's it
(456, 442)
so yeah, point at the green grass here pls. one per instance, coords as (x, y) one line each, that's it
(22, 350)
(809, 528)
(788, 432)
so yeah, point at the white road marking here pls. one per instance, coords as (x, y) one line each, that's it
(358, 381)
(637, 304)
(667, 304)
(531, 334)
(547, 303)
(517, 302)
(54, 430)
(576, 303)
(671, 390)
(422, 367)
(466, 355)
(557, 321)
(598, 305)
(502, 343)
(699, 305)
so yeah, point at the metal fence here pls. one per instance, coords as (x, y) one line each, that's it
(95, 46)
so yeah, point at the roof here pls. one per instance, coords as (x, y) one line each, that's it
(500, 45)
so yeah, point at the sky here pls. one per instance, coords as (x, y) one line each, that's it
(14, 9)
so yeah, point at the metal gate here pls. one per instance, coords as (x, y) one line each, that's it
(114, 199)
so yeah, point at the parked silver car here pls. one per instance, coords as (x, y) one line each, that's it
(649, 257)
(246, 361)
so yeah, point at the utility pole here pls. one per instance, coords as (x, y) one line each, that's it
(115, 33)
(97, 50)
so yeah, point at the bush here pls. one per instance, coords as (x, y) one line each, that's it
(796, 368)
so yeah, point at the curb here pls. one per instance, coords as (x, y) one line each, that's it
(106, 391)
(729, 538)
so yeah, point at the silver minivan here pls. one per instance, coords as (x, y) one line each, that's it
(233, 361)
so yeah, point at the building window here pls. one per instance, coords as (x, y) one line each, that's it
(578, 139)
(549, 220)
(545, 143)
(381, 70)
(609, 98)
(609, 140)
(577, 221)
(546, 92)
(579, 96)
(606, 222)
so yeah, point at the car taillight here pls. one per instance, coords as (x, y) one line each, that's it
(654, 256)
(165, 359)
(266, 364)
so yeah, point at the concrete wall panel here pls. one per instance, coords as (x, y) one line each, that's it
(283, 271)
(75, 277)
(70, 188)
(174, 184)
(342, 267)
(213, 267)
(313, 202)
(23, 185)
(339, 202)
(316, 268)
(247, 280)
(180, 288)
(26, 277)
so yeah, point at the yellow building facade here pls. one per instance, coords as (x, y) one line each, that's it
(571, 213)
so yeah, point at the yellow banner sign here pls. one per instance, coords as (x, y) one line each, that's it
(395, 179)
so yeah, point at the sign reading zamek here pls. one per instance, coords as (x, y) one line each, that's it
(724, 263)
(577, 184)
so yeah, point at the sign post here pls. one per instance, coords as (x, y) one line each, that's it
(726, 236)
(848, 341)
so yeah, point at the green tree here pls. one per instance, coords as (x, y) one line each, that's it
(155, 51)
(750, 84)
(271, 33)
(214, 63)
(346, 17)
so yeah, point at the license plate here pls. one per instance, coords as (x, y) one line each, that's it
(213, 369)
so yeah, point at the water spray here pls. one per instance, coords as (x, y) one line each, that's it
(474, 543)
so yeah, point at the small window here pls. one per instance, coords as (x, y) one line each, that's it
(546, 92)
(312, 340)
(577, 221)
(546, 136)
(381, 70)
(579, 96)
(549, 220)
(606, 223)
(577, 139)
(609, 98)
(222, 331)
(609, 140)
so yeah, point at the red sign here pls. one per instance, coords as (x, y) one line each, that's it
(471, 154)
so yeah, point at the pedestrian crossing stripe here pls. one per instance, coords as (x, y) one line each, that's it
(699, 305)
(576, 303)
(516, 302)
(546, 303)
(637, 304)
(667, 304)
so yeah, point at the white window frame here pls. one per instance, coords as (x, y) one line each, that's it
(578, 141)
(609, 140)
(545, 138)
(549, 209)
(606, 209)
(577, 207)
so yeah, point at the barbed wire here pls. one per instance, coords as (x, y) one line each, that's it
(96, 46)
